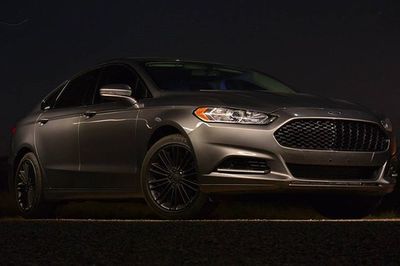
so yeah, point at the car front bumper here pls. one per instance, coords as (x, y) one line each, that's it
(213, 143)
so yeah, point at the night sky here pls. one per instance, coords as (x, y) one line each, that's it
(342, 49)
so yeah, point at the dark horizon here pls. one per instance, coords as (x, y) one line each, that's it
(342, 49)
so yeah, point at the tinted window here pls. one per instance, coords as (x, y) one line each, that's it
(79, 91)
(186, 76)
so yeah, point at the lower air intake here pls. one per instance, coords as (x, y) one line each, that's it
(322, 172)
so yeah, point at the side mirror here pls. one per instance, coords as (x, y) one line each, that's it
(117, 91)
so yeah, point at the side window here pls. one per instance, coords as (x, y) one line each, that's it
(118, 74)
(51, 98)
(79, 91)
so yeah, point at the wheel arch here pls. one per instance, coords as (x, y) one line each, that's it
(163, 131)
(22, 151)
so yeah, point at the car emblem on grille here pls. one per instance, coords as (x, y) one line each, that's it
(334, 113)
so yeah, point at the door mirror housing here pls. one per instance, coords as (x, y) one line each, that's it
(117, 91)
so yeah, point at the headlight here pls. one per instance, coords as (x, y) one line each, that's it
(387, 124)
(233, 116)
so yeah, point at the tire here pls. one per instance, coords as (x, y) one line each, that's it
(169, 180)
(27, 189)
(346, 207)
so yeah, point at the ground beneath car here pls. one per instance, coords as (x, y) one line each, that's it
(260, 230)
(236, 207)
(206, 242)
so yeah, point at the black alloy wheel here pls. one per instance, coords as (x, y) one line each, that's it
(25, 183)
(170, 180)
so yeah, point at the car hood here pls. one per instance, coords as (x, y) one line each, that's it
(257, 100)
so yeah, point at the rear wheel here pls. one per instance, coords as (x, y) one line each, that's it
(346, 207)
(170, 180)
(27, 189)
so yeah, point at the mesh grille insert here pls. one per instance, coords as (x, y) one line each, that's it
(332, 134)
(323, 172)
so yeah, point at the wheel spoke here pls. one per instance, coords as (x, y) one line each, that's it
(164, 193)
(20, 186)
(168, 157)
(185, 197)
(172, 197)
(189, 181)
(158, 172)
(165, 159)
(189, 186)
(160, 168)
(159, 183)
(155, 181)
(25, 167)
(22, 176)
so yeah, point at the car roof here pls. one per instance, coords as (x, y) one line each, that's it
(141, 60)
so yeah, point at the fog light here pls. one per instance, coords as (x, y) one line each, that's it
(393, 169)
(244, 165)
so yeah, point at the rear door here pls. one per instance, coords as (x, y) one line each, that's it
(107, 134)
(57, 133)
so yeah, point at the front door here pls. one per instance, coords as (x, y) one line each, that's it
(107, 135)
(107, 149)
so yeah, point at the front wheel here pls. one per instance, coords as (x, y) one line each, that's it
(346, 207)
(169, 180)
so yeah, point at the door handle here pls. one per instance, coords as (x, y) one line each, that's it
(43, 121)
(89, 114)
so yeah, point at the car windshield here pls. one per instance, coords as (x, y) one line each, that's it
(185, 76)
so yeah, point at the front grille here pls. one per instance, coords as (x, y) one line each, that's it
(332, 134)
(323, 172)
